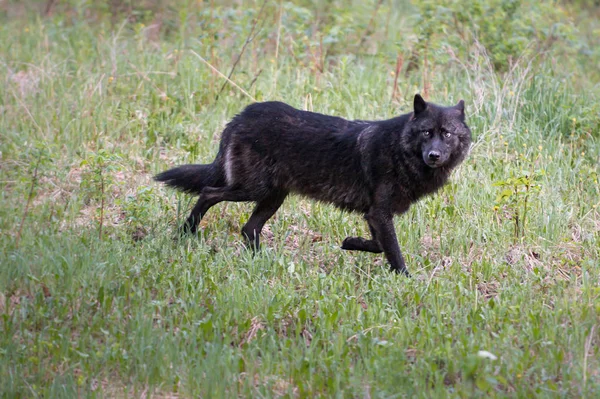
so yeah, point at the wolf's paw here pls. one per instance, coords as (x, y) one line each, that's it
(402, 272)
(187, 230)
(360, 244)
(351, 243)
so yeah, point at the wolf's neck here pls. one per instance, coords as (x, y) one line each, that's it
(429, 181)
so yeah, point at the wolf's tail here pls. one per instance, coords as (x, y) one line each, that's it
(192, 178)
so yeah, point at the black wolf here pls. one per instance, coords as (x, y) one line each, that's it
(377, 168)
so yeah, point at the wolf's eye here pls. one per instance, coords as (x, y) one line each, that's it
(447, 135)
(426, 133)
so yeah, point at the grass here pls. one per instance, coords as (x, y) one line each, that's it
(98, 300)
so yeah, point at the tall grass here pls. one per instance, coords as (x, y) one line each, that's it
(131, 312)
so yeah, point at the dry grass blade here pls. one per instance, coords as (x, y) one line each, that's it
(222, 75)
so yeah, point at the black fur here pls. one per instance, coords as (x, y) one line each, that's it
(377, 168)
(192, 178)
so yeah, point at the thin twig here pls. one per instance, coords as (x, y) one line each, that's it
(254, 80)
(525, 208)
(425, 74)
(278, 29)
(369, 25)
(248, 40)
(399, 63)
(49, 7)
(29, 198)
(222, 75)
(101, 205)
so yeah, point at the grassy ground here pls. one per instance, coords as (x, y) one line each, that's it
(97, 299)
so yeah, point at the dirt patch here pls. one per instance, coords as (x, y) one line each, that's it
(529, 257)
(255, 326)
(295, 237)
(476, 254)
(488, 289)
(431, 249)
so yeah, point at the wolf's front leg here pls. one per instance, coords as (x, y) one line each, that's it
(362, 244)
(382, 222)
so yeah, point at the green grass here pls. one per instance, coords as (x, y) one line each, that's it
(98, 300)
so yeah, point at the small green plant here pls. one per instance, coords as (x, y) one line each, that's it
(138, 209)
(42, 157)
(515, 194)
(97, 178)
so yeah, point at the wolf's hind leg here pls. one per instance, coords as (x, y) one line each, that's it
(191, 224)
(263, 211)
(211, 196)
(361, 244)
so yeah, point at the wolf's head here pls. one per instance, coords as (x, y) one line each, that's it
(438, 134)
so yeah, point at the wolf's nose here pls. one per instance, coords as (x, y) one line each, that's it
(434, 155)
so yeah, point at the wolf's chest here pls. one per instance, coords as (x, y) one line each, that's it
(417, 188)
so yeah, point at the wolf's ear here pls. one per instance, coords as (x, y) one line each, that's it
(420, 104)
(460, 107)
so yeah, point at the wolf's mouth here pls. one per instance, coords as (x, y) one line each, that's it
(434, 164)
